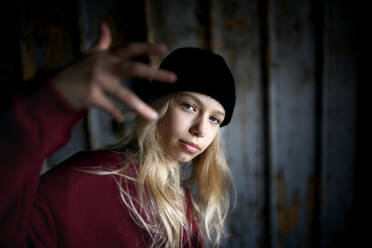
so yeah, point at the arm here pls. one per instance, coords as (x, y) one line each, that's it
(35, 123)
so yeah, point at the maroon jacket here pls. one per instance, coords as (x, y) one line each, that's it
(64, 207)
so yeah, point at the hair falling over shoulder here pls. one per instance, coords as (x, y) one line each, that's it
(158, 203)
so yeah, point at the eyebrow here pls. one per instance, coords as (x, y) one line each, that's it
(197, 100)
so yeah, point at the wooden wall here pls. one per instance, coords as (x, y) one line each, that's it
(292, 141)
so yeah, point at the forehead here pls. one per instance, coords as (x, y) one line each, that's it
(205, 100)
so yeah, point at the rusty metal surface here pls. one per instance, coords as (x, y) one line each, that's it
(236, 37)
(292, 121)
(339, 122)
(175, 23)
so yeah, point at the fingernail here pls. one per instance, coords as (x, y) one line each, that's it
(163, 47)
(173, 77)
(153, 115)
(120, 120)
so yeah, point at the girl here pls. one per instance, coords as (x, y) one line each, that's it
(132, 194)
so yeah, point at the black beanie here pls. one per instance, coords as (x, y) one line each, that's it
(199, 71)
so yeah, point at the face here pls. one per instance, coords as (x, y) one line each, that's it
(190, 125)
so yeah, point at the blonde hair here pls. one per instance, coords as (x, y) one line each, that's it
(158, 203)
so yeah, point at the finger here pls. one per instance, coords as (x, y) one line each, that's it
(104, 38)
(131, 100)
(103, 102)
(139, 49)
(140, 70)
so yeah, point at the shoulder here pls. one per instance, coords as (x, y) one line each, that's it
(90, 159)
(69, 176)
(77, 199)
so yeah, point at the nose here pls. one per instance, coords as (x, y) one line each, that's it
(199, 127)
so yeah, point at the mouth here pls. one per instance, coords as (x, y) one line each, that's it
(190, 147)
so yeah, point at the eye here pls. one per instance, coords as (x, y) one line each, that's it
(189, 106)
(215, 119)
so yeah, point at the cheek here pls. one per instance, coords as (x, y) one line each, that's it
(176, 122)
(170, 127)
(164, 130)
(210, 140)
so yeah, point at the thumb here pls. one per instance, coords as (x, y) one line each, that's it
(103, 41)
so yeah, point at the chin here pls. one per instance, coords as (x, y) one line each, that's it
(185, 158)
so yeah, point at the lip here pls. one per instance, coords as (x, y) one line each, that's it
(190, 147)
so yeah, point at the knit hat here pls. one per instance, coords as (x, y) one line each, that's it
(198, 71)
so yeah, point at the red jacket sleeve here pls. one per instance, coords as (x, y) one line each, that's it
(34, 122)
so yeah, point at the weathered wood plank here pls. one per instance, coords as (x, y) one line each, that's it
(339, 121)
(236, 36)
(292, 121)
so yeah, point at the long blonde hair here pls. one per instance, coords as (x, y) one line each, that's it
(158, 205)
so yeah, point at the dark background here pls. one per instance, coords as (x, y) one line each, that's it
(298, 141)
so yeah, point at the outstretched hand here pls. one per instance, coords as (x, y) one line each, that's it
(87, 82)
